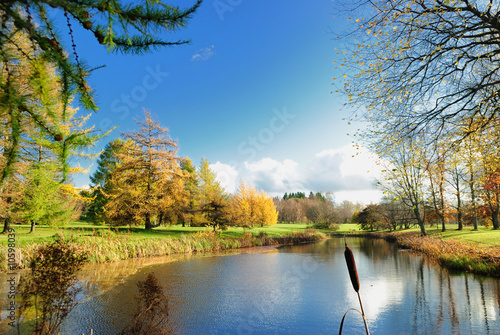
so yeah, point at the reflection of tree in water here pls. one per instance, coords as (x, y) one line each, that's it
(377, 249)
(485, 309)
(421, 313)
(496, 287)
(447, 303)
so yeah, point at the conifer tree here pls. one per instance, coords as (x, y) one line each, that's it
(30, 39)
(145, 182)
(43, 200)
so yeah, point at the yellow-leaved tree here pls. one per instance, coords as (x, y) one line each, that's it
(250, 208)
(145, 183)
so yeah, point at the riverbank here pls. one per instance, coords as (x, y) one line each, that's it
(475, 255)
(106, 245)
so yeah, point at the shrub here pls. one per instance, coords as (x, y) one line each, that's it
(49, 288)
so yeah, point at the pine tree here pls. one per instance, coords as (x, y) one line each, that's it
(100, 180)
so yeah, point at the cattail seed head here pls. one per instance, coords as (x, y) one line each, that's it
(351, 266)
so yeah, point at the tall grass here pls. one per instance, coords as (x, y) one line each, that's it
(108, 246)
(452, 254)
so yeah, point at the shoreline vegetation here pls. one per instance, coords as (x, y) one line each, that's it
(447, 249)
(104, 245)
(469, 251)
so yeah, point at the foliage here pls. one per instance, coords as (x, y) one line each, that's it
(118, 25)
(44, 201)
(317, 208)
(145, 183)
(250, 208)
(96, 197)
(371, 218)
(35, 111)
(424, 66)
(216, 214)
(50, 286)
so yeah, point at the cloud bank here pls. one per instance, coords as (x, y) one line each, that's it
(347, 172)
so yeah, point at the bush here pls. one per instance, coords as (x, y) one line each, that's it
(326, 225)
(49, 288)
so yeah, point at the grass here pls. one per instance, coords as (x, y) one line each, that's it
(105, 244)
(45, 234)
(484, 236)
(466, 250)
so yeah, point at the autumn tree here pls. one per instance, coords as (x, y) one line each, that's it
(118, 25)
(144, 183)
(405, 178)
(43, 199)
(423, 65)
(250, 208)
(208, 186)
(26, 138)
(189, 209)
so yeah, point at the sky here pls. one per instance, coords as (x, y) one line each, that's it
(252, 93)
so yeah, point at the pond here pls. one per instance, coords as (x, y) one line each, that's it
(294, 290)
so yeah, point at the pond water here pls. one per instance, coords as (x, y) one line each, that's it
(294, 290)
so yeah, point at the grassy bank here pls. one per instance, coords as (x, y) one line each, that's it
(465, 250)
(110, 245)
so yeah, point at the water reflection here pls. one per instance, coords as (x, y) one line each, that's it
(298, 290)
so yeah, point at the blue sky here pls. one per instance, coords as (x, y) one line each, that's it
(251, 93)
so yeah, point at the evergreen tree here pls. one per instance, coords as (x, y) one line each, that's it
(100, 180)
(191, 198)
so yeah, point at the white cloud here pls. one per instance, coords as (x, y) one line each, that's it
(273, 176)
(347, 172)
(203, 54)
(226, 175)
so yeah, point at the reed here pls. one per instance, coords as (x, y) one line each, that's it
(109, 246)
(353, 274)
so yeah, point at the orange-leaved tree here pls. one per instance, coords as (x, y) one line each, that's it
(148, 176)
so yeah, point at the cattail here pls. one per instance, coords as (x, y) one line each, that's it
(351, 266)
(353, 273)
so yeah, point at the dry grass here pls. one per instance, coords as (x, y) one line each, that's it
(452, 254)
(116, 247)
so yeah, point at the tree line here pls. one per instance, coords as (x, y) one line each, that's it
(422, 76)
(317, 208)
(140, 180)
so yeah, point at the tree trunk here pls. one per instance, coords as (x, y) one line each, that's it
(495, 209)
(149, 226)
(420, 222)
(32, 229)
(473, 199)
(459, 213)
(6, 226)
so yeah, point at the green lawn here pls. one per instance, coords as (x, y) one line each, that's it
(45, 233)
(483, 237)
